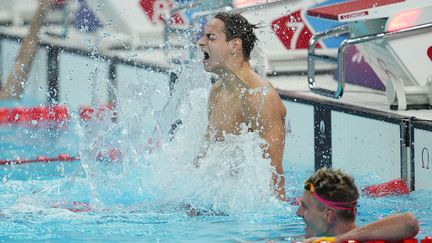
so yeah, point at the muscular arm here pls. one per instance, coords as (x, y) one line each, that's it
(391, 228)
(271, 120)
(15, 82)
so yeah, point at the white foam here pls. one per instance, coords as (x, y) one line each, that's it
(233, 178)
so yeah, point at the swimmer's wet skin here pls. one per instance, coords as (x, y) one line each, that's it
(226, 46)
(328, 208)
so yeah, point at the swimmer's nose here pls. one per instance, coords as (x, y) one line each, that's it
(200, 42)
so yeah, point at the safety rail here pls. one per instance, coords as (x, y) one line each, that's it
(340, 59)
(312, 57)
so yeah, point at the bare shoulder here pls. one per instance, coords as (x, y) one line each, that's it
(271, 92)
(273, 101)
(264, 97)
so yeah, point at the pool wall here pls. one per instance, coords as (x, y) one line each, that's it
(363, 141)
(320, 132)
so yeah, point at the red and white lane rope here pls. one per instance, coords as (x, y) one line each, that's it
(34, 115)
(40, 159)
(112, 155)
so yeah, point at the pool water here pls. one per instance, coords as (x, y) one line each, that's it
(47, 203)
(29, 216)
(147, 192)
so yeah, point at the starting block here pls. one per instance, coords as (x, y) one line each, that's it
(394, 37)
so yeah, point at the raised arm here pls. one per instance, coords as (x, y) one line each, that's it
(17, 79)
(391, 228)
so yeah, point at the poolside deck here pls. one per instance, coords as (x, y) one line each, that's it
(290, 85)
(354, 95)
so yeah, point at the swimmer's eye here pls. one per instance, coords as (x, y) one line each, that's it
(211, 37)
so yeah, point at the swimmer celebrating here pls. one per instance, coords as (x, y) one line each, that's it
(240, 95)
(328, 208)
(17, 79)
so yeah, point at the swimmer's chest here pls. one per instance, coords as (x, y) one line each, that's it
(227, 112)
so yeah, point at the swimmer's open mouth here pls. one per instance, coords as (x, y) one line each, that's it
(206, 56)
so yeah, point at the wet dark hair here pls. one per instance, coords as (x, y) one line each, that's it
(336, 186)
(237, 26)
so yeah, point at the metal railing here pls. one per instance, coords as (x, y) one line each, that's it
(312, 57)
(340, 59)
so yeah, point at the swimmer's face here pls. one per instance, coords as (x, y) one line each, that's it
(214, 46)
(314, 216)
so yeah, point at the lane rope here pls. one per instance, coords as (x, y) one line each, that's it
(43, 159)
(34, 115)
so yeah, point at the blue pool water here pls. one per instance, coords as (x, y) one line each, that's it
(145, 195)
(121, 206)
(25, 217)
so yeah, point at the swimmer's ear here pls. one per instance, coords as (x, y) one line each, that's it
(236, 46)
(330, 215)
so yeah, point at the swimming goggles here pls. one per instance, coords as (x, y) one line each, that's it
(309, 187)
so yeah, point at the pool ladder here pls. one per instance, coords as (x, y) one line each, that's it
(340, 58)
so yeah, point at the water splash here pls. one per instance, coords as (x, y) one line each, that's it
(154, 170)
